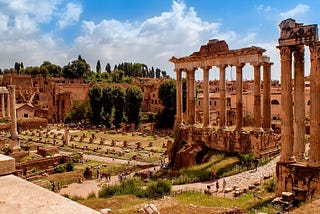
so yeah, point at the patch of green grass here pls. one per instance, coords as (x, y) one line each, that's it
(218, 162)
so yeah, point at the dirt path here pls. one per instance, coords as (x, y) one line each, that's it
(93, 186)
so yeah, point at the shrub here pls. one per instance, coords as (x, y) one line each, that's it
(60, 168)
(69, 166)
(87, 173)
(270, 185)
(158, 189)
(91, 195)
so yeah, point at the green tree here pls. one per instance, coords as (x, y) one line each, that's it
(107, 105)
(53, 70)
(98, 67)
(118, 100)
(158, 72)
(76, 69)
(79, 112)
(17, 67)
(108, 68)
(167, 95)
(134, 98)
(117, 76)
(95, 104)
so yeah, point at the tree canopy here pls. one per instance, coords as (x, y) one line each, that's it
(134, 98)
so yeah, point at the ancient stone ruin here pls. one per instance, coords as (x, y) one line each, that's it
(195, 140)
(298, 172)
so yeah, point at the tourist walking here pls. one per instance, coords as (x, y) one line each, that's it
(217, 185)
(224, 184)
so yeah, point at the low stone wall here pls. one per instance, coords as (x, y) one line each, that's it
(43, 163)
(233, 141)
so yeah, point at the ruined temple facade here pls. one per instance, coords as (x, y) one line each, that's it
(260, 140)
(298, 170)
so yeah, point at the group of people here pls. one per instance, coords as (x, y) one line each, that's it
(213, 177)
(100, 175)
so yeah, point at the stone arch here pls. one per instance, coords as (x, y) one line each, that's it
(275, 102)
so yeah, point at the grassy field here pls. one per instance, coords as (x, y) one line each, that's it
(146, 153)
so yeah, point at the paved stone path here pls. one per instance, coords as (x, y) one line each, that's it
(241, 180)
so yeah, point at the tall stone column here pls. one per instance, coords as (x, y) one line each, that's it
(239, 100)
(191, 102)
(257, 98)
(314, 104)
(2, 105)
(299, 103)
(206, 109)
(266, 125)
(179, 96)
(8, 105)
(12, 91)
(286, 104)
(222, 93)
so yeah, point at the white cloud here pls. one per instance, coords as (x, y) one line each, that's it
(70, 15)
(178, 32)
(263, 8)
(249, 38)
(4, 21)
(297, 10)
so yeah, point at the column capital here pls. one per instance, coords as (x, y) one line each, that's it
(285, 53)
(314, 50)
(206, 68)
(267, 64)
(191, 69)
(178, 70)
(222, 66)
(10, 87)
(240, 65)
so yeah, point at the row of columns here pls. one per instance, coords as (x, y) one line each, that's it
(222, 86)
(3, 106)
(293, 113)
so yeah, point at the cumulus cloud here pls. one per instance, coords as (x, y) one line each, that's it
(154, 41)
(70, 15)
(297, 10)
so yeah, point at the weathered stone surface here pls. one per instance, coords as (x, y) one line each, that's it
(7, 165)
(20, 196)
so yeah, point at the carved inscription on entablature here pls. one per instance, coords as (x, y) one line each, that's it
(293, 33)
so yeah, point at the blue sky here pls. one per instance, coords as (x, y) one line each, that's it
(146, 31)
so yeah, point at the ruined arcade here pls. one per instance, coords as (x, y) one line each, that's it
(258, 141)
(298, 171)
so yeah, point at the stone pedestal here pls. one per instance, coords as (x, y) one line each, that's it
(7, 165)
(301, 179)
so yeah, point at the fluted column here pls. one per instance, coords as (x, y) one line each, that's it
(12, 90)
(206, 110)
(178, 96)
(2, 105)
(239, 100)
(222, 92)
(8, 105)
(191, 96)
(299, 103)
(257, 98)
(286, 104)
(314, 104)
(266, 124)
